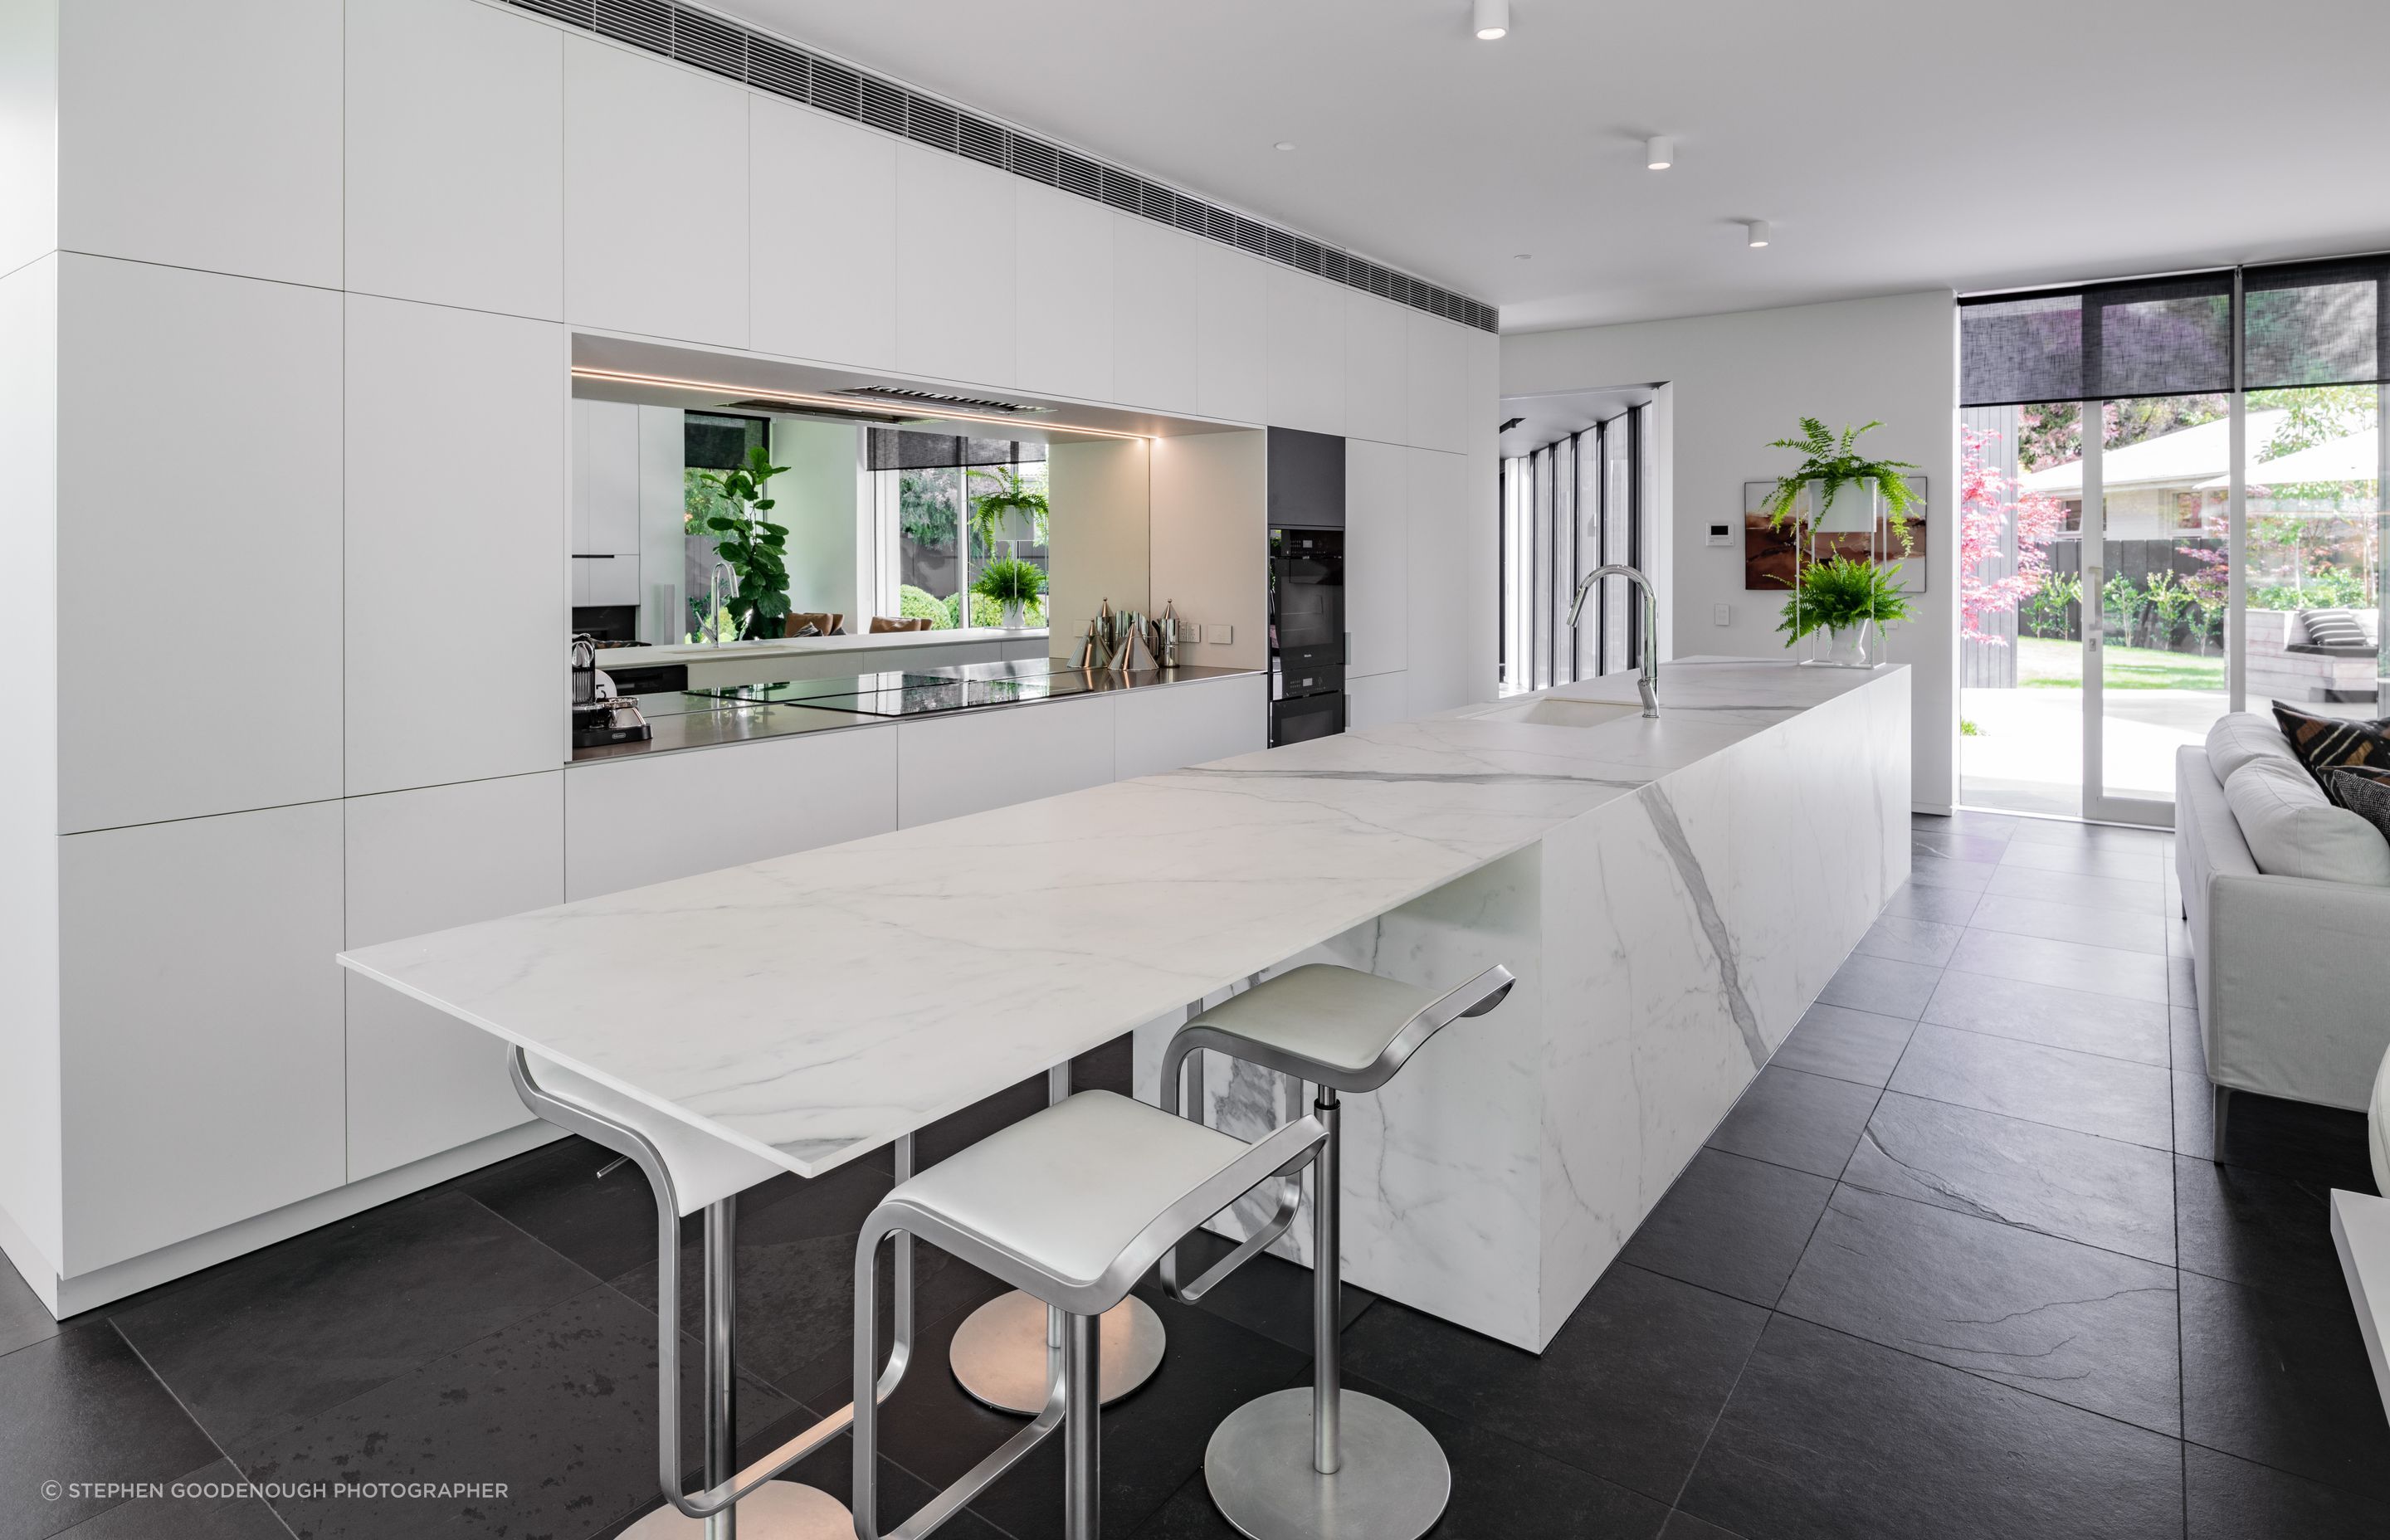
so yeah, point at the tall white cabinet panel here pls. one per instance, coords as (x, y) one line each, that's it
(456, 521)
(1377, 346)
(974, 761)
(1307, 351)
(419, 1081)
(456, 156)
(824, 252)
(1375, 700)
(233, 533)
(203, 136)
(607, 460)
(635, 821)
(1442, 655)
(1231, 333)
(200, 1040)
(29, 131)
(955, 266)
(1159, 730)
(1063, 284)
(1377, 555)
(656, 193)
(1438, 369)
(1154, 304)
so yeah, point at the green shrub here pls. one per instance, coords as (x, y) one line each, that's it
(919, 604)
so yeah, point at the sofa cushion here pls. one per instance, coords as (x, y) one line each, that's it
(2324, 743)
(2241, 737)
(2293, 831)
(2364, 792)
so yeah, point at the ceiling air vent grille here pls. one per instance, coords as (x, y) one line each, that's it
(932, 400)
(712, 43)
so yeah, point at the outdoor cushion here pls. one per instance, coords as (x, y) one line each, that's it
(2333, 628)
(2324, 743)
(2293, 830)
(2241, 737)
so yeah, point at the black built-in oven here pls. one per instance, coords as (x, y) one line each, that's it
(1306, 634)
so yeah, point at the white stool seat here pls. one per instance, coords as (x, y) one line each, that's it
(1335, 1017)
(704, 1167)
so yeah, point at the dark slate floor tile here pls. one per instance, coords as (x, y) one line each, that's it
(1856, 1046)
(1882, 985)
(1942, 871)
(2089, 892)
(1944, 906)
(2101, 1192)
(1956, 846)
(831, 1469)
(1732, 1224)
(23, 1317)
(80, 1407)
(1806, 1122)
(608, 1225)
(2089, 1093)
(2071, 1322)
(2044, 1013)
(2126, 929)
(2260, 1229)
(2085, 857)
(201, 1505)
(1829, 1438)
(2231, 1500)
(2194, 1121)
(2322, 1145)
(1627, 1389)
(2284, 1381)
(1905, 938)
(282, 1333)
(1269, 1294)
(1684, 1526)
(2069, 964)
(2182, 982)
(560, 1406)
(2190, 1052)
(1968, 820)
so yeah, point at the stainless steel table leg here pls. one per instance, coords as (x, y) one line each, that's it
(1082, 1429)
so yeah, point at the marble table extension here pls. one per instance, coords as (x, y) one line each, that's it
(1672, 895)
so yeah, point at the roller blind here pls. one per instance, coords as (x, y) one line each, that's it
(902, 449)
(2153, 337)
(2317, 323)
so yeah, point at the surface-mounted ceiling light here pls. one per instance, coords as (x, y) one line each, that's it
(1523, 256)
(1493, 20)
(1754, 232)
(1659, 153)
(1283, 144)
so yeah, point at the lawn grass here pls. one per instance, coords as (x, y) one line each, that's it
(2047, 663)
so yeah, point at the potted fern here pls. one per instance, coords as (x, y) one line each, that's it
(1836, 490)
(1850, 599)
(1014, 585)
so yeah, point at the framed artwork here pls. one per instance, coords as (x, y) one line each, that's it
(1768, 551)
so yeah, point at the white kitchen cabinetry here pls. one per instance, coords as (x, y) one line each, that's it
(824, 241)
(1155, 299)
(1168, 728)
(233, 542)
(1377, 346)
(1438, 367)
(1377, 555)
(456, 156)
(656, 193)
(955, 264)
(1378, 699)
(605, 538)
(650, 819)
(1442, 660)
(421, 1082)
(969, 761)
(1063, 286)
(455, 515)
(199, 1037)
(203, 136)
(1231, 333)
(1307, 351)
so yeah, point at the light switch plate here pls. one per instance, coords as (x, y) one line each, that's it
(1220, 635)
(1723, 614)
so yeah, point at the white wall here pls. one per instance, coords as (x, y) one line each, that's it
(1736, 382)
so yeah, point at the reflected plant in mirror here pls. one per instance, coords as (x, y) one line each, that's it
(1018, 586)
(749, 544)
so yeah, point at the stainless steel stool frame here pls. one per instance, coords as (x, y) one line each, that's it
(725, 1485)
(1072, 1403)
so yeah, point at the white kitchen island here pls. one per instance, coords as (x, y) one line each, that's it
(1672, 895)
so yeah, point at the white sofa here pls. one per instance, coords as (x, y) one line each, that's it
(2292, 971)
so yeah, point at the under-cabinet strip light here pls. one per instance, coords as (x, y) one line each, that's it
(845, 404)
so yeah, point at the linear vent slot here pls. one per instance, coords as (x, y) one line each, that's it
(1158, 204)
(1332, 265)
(1307, 254)
(581, 13)
(709, 44)
(1378, 281)
(837, 89)
(1123, 191)
(1194, 216)
(1220, 225)
(879, 103)
(778, 69)
(1082, 176)
(929, 122)
(1254, 237)
(1034, 159)
(642, 23)
(932, 398)
(1282, 244)
(980, 139)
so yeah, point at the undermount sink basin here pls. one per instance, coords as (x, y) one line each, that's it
(1560, 711)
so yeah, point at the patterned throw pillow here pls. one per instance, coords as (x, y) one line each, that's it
(2366, 792)
(2325, 743)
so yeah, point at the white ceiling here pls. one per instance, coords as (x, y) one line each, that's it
(1894, 144)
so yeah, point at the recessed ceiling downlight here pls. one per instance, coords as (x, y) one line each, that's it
(1493, 18)
(1755, 232)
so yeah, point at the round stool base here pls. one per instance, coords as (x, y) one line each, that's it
(777, 1510)
(999, 1352)
(1393, 1483)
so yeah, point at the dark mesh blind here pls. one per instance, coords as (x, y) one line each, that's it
(716, 442)
(2014, 350)
(902, 449)
(2317, 324)
(2170, 337)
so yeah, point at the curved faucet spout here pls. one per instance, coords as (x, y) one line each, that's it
(1648, 684)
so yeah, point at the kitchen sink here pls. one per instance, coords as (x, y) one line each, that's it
(1559, 711)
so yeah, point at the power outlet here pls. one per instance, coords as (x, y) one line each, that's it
(1723, 614)
(1220, 635)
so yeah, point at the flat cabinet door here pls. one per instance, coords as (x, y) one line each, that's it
(1377, 555)
(1160, 730)
(1231, 334)
(656, 193)
(1155, 301)
(463, 205)
(1063, 288)
(1442, 657)
(973, 761)
(199, 1035)
(1307, 351)
(824, 252)
(1377, 369)
(955, 266)
(419, 1081)
(1438, 368)
(1377, 699)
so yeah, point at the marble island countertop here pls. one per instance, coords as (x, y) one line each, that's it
(814, 1006)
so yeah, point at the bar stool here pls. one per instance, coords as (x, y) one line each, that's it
(1072, 1205)
(1321, 1465)
(692, 1170)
